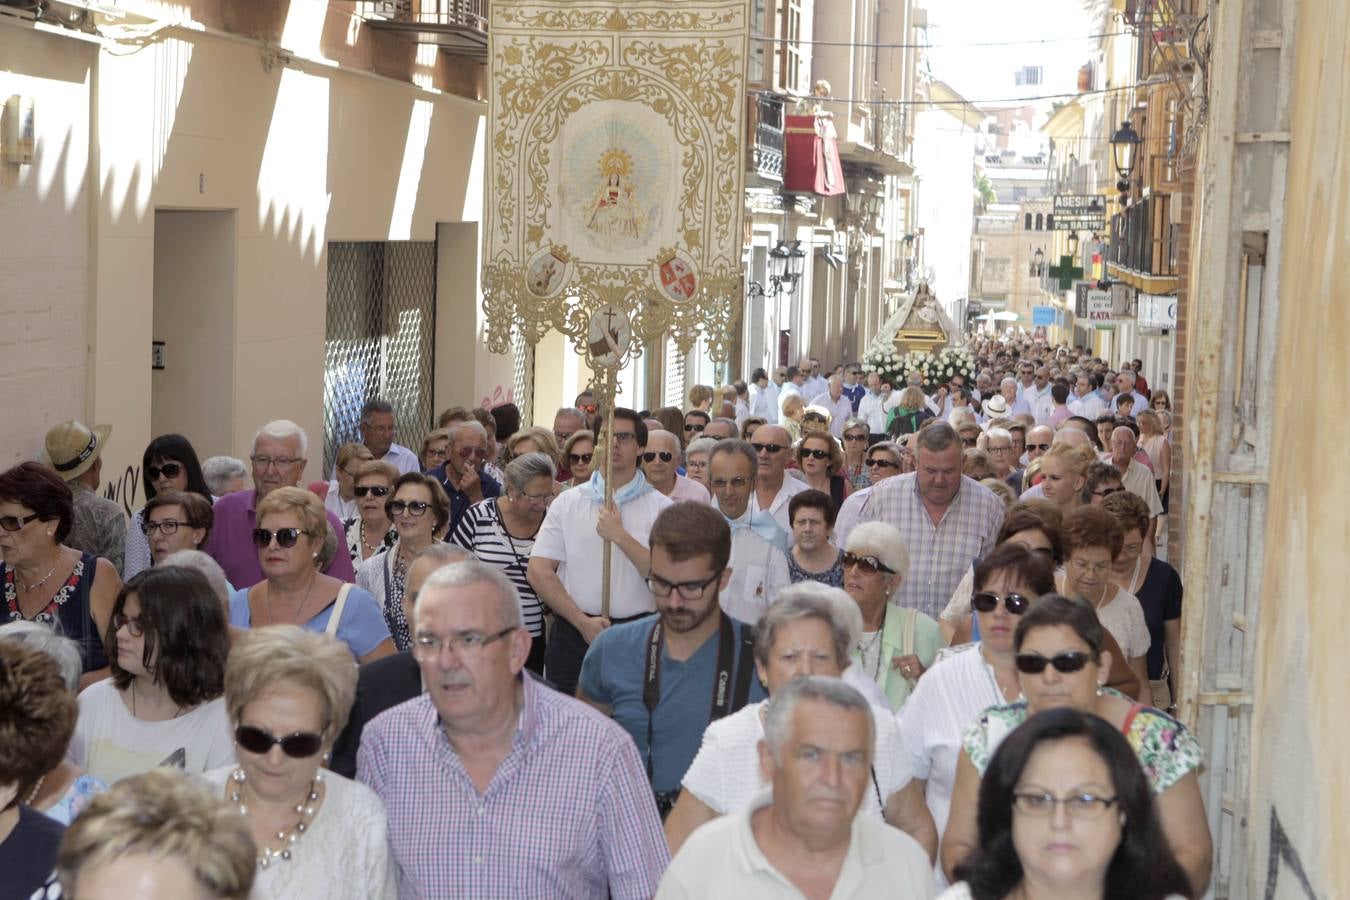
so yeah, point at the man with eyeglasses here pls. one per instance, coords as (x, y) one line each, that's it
(759, 568)
(278, 458)
(773, 488)
(564, 567)
(463, 474)
(377, 433)
(722, 429)
(660, 461)
(664, 678)
(493, 785)
(884, 460)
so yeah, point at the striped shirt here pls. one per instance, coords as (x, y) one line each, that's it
(939, 555)
(481, 533)
(568, 813)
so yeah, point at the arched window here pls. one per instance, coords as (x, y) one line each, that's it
(1049, 221)
(1040, 221)
(1027, 224)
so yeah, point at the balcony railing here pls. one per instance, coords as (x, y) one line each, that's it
(766, 148)
(457, 26)
(1144, 240)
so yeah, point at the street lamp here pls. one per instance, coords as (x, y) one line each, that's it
(1124, 146)
(785, 268)
(1038, 262)
(1073, 244)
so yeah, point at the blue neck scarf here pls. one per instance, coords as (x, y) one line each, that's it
(630, 491)
(763, 524)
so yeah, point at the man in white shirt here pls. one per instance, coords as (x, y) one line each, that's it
(759, 567)
(795, 380)
(660, 458)
(564, 567)
(1085, 401)
(814, 381)
(773, 487)
(1135, 477)
(872, 408)
(764, 393)
(1017, 403)
(836, 401)
(377, 433)
(804, 838)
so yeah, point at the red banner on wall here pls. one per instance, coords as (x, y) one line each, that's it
(812, 150)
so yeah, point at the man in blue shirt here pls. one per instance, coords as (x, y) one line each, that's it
(665, 677)
(462, 474)
(854, 389)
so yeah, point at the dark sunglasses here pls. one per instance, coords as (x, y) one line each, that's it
(1041, 447)
(373, 490)
(575, 458)
(694, 427)
(768, 448)
(816, 454)
(1107, 492)
(300, 745)
(14, 523)
(412, 507)
(651, 456)
(855, 438)
(869, 565)
(134, 627)
(286, 537)
(969, 442)
(883, 463)
(1034, 663)
(168, 470)
(984, 601)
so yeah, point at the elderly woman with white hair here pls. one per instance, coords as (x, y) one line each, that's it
(808, 631)
(898, 644)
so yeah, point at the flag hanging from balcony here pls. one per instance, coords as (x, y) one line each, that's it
(615, 170)
(811, 146)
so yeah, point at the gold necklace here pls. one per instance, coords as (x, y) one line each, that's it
(267, 598)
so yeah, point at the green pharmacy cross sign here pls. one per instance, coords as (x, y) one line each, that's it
(1066, 273)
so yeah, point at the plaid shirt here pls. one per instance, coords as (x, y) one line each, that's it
(939, 555)
(568, 813)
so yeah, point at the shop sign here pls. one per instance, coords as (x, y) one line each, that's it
(1080, 212)
(1157, 311)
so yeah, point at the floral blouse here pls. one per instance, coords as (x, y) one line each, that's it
(1166, 750)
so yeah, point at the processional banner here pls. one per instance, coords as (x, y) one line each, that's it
(615, 172)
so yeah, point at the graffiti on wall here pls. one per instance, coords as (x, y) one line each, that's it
(125, 490)
(1284, 854)
(500, 394)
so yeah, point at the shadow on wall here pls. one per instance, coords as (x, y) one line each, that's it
(1284, 854)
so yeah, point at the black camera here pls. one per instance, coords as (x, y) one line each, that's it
(665, 802)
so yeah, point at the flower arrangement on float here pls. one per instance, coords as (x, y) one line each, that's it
(936, 368)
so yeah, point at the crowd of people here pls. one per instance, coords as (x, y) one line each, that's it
(858, 639)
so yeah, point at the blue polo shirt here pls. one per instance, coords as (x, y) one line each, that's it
(613, 671)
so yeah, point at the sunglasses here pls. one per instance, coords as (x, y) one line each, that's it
(14, 523)
(883, 463)
(984, 601)
(1034, 663)
(583, 458)
(855, 438)
(299, 745)
(689, 428)
(133, 625)
(372, 490)
(652, 455)
(411, 507)
(1041, 447)
(470, 452)
(816, 454)
(1107, 492)
(286, 537)
(868, 565)
(168, 470)
(768, 448)
(969, 441)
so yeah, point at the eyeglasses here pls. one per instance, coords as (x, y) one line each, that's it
(868, 565)
(627, 437)
(470, 452)
(440, 453)
(999, 449)
(985, 601)
(816, 454)
(297, 745)
(281, 462)
(855, 438)
(1067, 662)
(1082, 566)
(1107, 492)
(380, 429)
(164, 526)
(1078, 806)
(969, 441)
(133, 625)
(372, 490)
(768, 448)
(693, 427)
(537, 498)
(651, 456)
(881, 463)
(464, 644)
(168, 470)
(286, 537)
(738, 482)
(411, 507)
(589, 408)
(689, 590)
(14, 523)
(1041, 447)
(582, 458)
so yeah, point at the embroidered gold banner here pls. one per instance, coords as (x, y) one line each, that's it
(615, 171)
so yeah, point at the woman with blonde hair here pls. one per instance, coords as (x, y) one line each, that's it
(1063, 474)
(908, 411)
(821, 463)
(1153, 440)
(700, 397)
(533, 440)
(579, 456)
(435, 449)
(794, 410)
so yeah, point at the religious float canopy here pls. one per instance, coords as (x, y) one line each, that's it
(615, 169)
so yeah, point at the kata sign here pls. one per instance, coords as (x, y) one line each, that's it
(1099, 308)
(1080, 212)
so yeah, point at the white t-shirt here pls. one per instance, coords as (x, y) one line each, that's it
(759, 570)
(961, 891)
(568, 535)
(725, 774)
(1124, 618)
(343, 854)
(110, 743)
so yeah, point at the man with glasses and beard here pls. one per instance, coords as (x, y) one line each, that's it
(660, 460)
(462, 474)
(664, 678)
(759, 569)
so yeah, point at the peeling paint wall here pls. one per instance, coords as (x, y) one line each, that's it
(1301, 732)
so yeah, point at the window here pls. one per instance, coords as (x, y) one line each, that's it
(1029, 75)
(1040, 222)
(794, 61)
(758, 48)
(1049, 221)
(1026, 223)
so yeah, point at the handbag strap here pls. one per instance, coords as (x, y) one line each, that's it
(907, 641)
(336, 617)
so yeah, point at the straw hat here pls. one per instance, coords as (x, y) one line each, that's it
(996, 406)
(71, 448)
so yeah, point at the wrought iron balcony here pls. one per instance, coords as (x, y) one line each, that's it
(1144, 240)
(766, 149)
(458, 27)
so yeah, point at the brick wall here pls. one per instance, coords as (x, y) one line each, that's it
(1176, 516)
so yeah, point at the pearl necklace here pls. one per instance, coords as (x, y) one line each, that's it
(289, 837)
(32, 795)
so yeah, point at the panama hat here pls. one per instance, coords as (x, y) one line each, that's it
(71, 448)
(995, 407)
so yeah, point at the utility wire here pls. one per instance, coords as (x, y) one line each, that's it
(894, 46)
(962, 102)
